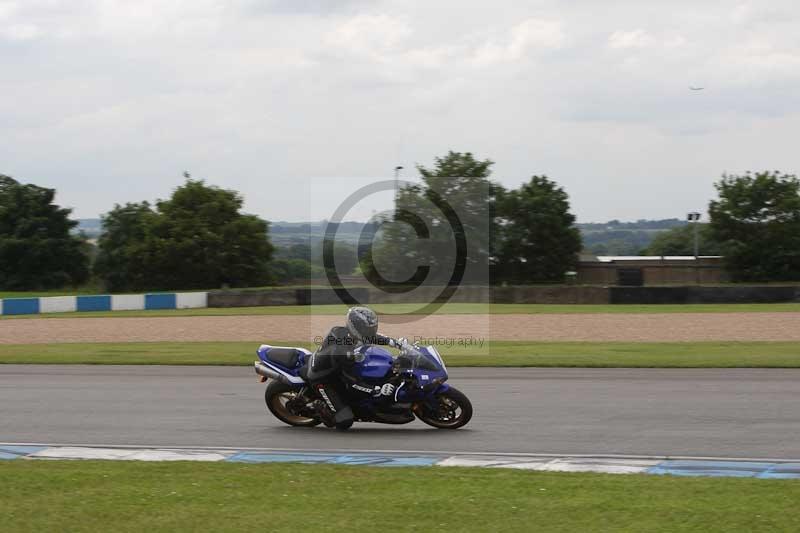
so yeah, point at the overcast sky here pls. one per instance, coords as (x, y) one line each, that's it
(110, 101)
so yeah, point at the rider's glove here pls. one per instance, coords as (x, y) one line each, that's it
(386, 390)
(404, 344)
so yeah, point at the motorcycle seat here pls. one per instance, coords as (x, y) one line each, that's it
(286, 357)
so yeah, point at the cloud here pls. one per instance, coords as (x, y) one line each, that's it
(369, 35)
(629, 39)
(263, 95)
(529, 36)
(301, 7)
(6, 9)
(21, 32)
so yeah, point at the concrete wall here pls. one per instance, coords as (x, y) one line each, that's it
(240, 298)
(566, 295)
(464, 294)
(698, 295)
(550, 295)
(706, 270)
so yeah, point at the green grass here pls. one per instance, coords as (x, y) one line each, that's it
(493, 353)
(450, 308)
(98, 289)
(36, 294)
(124, 496)
(81, 291)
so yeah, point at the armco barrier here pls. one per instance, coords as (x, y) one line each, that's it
(103, 302)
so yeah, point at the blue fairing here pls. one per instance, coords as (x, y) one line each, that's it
(377, 363)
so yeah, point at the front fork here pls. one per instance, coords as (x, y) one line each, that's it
(430, 401)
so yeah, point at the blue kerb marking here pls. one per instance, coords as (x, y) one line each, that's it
(782, 471)
(160, 301)
(411, 461)
(255, 457)
(728, 469)
(15, 452)
(93, 303)
(20, 306)
(372, 460)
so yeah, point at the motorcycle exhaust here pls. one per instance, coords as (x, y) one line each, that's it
(267, 372)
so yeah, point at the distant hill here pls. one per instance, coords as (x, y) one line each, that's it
(601, 238)
(286, 233)
(642, 224)
(623, 238)
(92, 227)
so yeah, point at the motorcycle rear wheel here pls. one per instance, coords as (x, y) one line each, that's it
(453, 411)
(276, 396)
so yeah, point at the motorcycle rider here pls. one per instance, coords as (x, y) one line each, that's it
(335, 354)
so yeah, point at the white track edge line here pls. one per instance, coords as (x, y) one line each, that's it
(411, 452)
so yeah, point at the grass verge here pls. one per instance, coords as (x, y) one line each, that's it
(450, 308)
(493, 353)
(121, 496)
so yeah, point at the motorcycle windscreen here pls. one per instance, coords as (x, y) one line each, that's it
(418, 361)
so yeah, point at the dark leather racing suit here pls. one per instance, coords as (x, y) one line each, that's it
(334, 355)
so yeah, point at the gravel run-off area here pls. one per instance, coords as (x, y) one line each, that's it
(673, 327)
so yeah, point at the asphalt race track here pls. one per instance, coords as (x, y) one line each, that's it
(737, 413)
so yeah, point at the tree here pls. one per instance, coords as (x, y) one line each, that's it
(197, 239)
(537, 237)
(757, 222)
(294, 270)
(343, 254)
(294, 251)
(37, 250)
(680, 241)
(125, 257)
(421, 241)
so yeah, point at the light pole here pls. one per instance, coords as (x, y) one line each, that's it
(695, 217)
(397, 170)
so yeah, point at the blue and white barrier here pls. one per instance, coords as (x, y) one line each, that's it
(103, 302)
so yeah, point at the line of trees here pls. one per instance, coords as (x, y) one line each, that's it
(37, 250)
(754, 224)
(524, 235)
(199, 238)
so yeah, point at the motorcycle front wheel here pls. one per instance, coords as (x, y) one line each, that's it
(451, 411)
(277, 395)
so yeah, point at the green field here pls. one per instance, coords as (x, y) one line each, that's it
(493, 353)
(35, 294)
(98, 289)
(450, 308)
(126, 496)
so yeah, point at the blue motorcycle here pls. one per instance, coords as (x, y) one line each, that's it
(378, 387)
